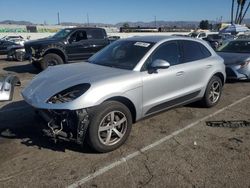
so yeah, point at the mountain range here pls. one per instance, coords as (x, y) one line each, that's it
(178, 24)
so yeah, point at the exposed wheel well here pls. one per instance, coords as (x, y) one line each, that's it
(56, 51)
(127, 103)
(221, 76)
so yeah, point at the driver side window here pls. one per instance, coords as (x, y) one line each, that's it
(78, 36)
(168, 51)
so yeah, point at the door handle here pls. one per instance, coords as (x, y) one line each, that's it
(208, 66)
(180, 73)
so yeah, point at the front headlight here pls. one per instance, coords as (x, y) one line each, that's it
(20, 50)
(69, 94)
(244, 64)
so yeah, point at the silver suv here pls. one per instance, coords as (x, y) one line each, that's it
(126, 81)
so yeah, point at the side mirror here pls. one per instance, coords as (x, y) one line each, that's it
(160, 64)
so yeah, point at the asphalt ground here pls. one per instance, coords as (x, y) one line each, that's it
(176, 148)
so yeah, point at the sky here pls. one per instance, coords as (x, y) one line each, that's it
(114, 11)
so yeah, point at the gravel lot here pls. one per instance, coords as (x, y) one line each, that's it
(175, 148)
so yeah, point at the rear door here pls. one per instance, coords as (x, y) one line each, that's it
(196, 64)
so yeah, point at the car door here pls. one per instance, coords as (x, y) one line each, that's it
(196, 64)
(78, 46)
(162, 87)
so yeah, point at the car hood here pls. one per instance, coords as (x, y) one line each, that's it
(233, 58)
(48, 40)
(58, 78)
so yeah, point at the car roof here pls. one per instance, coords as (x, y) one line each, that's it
(74, 28)
(157, 38)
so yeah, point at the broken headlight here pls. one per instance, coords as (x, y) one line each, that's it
(69, 94)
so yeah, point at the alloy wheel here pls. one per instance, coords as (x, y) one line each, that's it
(112, 128)
(215, 92)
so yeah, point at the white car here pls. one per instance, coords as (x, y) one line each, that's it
(199, 35)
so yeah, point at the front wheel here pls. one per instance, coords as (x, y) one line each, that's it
(213, 92)
(51, 60)
(110, 126)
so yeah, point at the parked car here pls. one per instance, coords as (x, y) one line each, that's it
(216, 40)
(12, 37)
(199, 35)
(12, 46)
(16, 52)
(243, 36)
(236, 55)
(4, 45)
(67, 45)
(126, 81)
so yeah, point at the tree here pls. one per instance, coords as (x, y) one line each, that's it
(237, 11)
(245, 13)
(204, 24)
(242, 4)
(240, 11)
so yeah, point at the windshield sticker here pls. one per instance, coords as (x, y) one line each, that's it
(142, 44)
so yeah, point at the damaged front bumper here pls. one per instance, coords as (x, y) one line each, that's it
(7, 84)
(65, 124)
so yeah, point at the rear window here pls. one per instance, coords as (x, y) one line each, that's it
(95, 34)
(193, 51)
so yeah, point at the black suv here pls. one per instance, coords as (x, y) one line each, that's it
(68, 45)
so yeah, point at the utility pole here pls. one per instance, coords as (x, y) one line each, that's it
(232, 12)
(58, 18)
(155, 21)
(88, 19)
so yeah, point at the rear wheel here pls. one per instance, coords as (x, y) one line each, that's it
(51, 60)
(213, 92)
(110, 126)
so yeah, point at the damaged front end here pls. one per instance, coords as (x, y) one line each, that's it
(65, 124)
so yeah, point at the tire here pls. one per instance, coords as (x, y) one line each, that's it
(51, 60)
(213, 92)
(105, 138)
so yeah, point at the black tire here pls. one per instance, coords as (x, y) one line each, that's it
(100, 115)
(214, 86)
(51, 60)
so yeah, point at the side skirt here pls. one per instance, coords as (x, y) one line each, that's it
(173, 103)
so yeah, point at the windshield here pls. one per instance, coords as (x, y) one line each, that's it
(122, 54)
(236, 47)
(62, 34)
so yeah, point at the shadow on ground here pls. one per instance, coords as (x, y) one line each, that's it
(23, 123)
(28, 68)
